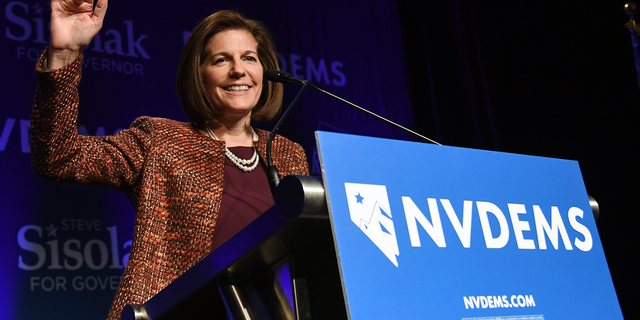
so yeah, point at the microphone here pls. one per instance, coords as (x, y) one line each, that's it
(279, 76)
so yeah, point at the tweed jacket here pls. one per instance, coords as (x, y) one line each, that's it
(171, 172)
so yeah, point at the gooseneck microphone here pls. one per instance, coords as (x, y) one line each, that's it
(284, 77)
(280, 76)
(272, 172)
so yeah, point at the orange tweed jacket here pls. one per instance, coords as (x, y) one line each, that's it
(171, 172)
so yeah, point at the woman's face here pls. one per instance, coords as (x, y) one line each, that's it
(232, 72)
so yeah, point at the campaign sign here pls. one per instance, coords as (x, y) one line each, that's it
(431, 232)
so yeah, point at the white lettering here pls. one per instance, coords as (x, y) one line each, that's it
(503, 238)
(519, 226)
(469, 302)
(462, 230)
(543, 227)
(494, 302)
(483, 302)
(490, 300)
(497, 301)
(496, 235)
(587, 244)
(412, 213)
(529, 301)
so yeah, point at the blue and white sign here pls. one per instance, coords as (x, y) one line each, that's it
(431, 232)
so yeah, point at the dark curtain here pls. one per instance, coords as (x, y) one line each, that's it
(546, 78)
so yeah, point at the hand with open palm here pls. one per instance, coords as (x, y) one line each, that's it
(73, 24)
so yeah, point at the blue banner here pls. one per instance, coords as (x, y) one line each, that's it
(433, 232)
(64, 248)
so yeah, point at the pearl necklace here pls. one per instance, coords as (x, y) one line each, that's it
(242, 164)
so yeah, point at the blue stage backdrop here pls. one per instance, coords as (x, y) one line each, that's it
(64, 248)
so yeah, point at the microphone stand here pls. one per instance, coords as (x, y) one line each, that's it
(375, 115)
(272, 172)
(280, 76)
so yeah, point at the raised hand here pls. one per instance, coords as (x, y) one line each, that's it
(73, 24)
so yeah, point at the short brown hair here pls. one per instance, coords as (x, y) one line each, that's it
(194, 97)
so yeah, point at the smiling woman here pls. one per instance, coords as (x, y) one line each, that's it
(232, 75)
(193, 185)
(194, 96)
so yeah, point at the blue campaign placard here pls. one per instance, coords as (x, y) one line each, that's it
(435, 232)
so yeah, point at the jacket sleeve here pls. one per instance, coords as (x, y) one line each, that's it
(301, 166)
(60, 154)
(290, 158)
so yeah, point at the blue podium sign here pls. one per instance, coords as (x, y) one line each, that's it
(431, 232)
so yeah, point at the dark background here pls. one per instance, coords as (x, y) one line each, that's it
(546, 78)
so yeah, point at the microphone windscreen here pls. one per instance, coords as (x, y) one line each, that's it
(277, 75)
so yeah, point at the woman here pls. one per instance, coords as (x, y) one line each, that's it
(193, 185)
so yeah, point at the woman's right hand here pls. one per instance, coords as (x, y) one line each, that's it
(73, 24)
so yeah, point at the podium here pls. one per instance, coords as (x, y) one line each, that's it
(411, 231)
(281, 266)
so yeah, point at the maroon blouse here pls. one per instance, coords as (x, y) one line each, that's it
(245, 196)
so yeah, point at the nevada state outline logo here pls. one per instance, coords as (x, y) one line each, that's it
(370, 211)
